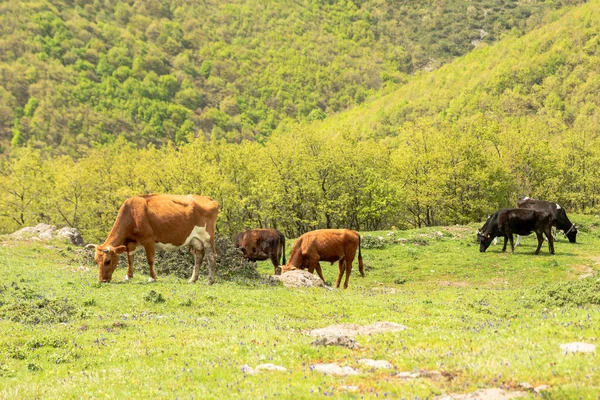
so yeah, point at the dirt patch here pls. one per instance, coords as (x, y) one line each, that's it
(582, 271)
(483, 394)
(354, 329)
(453, 284)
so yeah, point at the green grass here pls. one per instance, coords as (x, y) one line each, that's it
(484, 319)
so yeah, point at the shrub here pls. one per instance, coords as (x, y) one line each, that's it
(154, 297)
(372, 242)
(569, 293)
(231, 265)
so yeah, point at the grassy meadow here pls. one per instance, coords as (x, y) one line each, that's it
(482, 319)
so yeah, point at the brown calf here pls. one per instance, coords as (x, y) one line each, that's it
(164, 222)
(262, 244)
(326, 245)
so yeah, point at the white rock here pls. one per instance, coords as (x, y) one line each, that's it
(300, 278)
(578, 347)
(333, 369)
(349, 388)
(379, 364)
(541, 388)
(248, 369)
(270, 367)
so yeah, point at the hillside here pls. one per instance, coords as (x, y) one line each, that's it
(75, 74)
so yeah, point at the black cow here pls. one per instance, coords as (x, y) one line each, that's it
(561, 221)
(507, 222)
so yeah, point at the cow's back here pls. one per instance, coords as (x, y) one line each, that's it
(330, 244)
(172, 218)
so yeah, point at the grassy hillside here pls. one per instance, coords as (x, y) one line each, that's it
(77, 73)
(480, 319)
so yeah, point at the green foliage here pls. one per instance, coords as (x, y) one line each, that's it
(102, 70)
(154, 297)
(569, 293)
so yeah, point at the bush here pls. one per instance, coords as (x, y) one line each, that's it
(231, 265)
(570, 293)
(373, 242)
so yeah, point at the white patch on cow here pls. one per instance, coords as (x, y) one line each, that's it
(495, 241)
(151, 280)
(526, 198)
(199, 232)
(557, 206)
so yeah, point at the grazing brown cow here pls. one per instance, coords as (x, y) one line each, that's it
(262, 244)
(326, 245)
(164, 222)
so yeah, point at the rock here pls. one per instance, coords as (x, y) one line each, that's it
(72, 234)
(525, 386)
(248, 369)
(379, 364)
(333, 340)
(349, 388)
(422, 373)
(541, 388)
(333, 369)
(300, 278)
(483, 394)
(270, 367)
(354, 329)
(48, 232)
(578, 347)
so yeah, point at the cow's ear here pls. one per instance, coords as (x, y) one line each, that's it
(120, 249)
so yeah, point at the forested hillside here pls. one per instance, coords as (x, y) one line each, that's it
(79, 73)
(519, 117)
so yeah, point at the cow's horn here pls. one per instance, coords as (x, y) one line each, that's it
(91, 245)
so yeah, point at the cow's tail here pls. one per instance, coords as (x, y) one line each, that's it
(361, 267)
(282, 244)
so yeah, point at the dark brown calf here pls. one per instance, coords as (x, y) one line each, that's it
(262, 244)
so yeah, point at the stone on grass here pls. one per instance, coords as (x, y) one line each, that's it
(349, 388)
(270, 367)
(578, 347)
(248, 369)
(525, 385)
(483, 394)
(48, 232)
(300, 278)
(541, 388)
(354, 329)
(332, 340)
(419, 374)
(333, 369)
(379, 364)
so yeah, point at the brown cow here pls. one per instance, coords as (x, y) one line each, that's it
(164, 222)
(262, 244)
(326, 245)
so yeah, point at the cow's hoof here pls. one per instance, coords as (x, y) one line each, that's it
(127, 278)
(192, 281)
(151, 280)
(210, 281)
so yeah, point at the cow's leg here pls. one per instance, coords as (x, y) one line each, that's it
(550, 241)
(518, 240)
(150, 250)
(341, 270)
(505, 243)
(495, 241)
(319, 271)
(512, 242)
(197, 248)
(275, 261)
(540, 239)
(129, 266)
(348, 262)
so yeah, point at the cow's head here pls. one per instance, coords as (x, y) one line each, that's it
(287, 268)
(107, 258)
(484, 239)
(572, 234)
